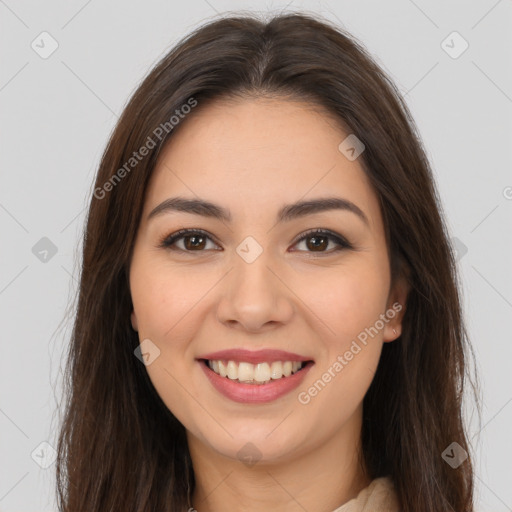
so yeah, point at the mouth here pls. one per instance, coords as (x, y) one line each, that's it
(254, 376)
(244, 372)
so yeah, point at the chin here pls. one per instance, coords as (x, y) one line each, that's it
(252, 443)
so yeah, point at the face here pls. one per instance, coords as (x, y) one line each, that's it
(258, 284)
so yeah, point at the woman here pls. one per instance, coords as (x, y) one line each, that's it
(268, 314)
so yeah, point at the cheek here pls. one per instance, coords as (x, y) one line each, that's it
(162, 298)
(164, 304)
(170, 305)
(347, 300)
(352, 309)
(352, 350)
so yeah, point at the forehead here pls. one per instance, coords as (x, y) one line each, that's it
(259, 153)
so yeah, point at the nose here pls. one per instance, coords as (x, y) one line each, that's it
(255, 297)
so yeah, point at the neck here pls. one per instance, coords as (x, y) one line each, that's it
(322, 478)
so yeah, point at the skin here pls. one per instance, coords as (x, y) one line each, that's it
(238, 154)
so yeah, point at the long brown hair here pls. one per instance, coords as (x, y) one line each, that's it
(119, 447)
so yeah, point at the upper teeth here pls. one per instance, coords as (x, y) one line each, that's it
(260, 372)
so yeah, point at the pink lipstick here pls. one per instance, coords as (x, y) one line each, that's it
(249, 376)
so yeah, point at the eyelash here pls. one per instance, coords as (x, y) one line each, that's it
(167, 241)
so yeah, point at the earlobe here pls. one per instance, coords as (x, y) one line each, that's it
(134, 321)
(392, 333)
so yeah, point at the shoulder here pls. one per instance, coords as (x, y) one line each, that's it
(379, 496)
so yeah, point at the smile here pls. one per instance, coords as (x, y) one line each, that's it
(260, 373)
(254, 376)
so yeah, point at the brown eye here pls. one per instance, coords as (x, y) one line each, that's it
(318, 241)
(193, 241)
(315, 241)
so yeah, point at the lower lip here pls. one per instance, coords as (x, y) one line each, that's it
(255, 393)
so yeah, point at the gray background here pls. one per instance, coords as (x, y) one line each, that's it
(58, 112)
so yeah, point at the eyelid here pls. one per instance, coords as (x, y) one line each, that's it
(168, 240)
(339, 239)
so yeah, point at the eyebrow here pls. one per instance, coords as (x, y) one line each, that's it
(286, 213)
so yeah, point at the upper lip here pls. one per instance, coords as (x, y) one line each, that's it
(254, 356)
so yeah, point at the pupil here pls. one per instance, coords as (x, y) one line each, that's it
(316, 244)
(197, 240)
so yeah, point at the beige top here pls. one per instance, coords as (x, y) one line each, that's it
(379, 496)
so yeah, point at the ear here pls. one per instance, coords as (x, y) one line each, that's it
(395, 308)
(133, 317)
